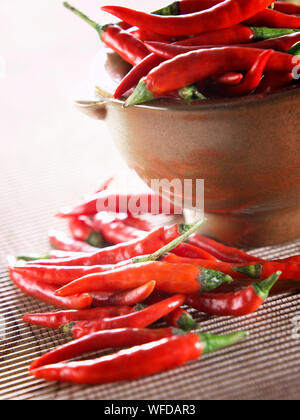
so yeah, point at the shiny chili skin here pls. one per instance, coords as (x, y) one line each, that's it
(134, 204)
(112, 255)
(274, 81)
(122, 42)
(62, 242)
(282, 43)
(130, 364)
(138, 223)
(129, 297)
(221, 251)
(223, 15)
(170, 278)
(45, 293)
(139, 319)
(274, 19)
(57, 319)
(243, 302)
(191, 251)
(251, 80)
(117, 338)
(231, 79)
(81, 229)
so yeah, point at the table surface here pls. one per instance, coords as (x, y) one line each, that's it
(51, 156)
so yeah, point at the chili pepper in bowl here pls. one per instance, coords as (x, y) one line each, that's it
(122, 42)
(116, 338)
(199, 65)
(251, 80)
(223, 15)
(139, 361)
(139, 319)
(56, 320)
(45, 293)
(243, 302)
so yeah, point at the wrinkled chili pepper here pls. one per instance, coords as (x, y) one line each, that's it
(251, 80)
(199, 65)
(274, 19)
(140, 319)
(57, 319)
(82, 230)
(133, 204)
(122, 42)
(114, 230)
(223, 15)
(117, 338)
(45, 293)
(129, 297)
(139, 361)
(221, 251)
(62, 242)
(243, 302)
(170, 278)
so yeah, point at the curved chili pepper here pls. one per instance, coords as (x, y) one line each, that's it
(251, 80)
(81, 230)
(45, 293)
(139, 361)
(150, 36)
(288, 8)
(139, 319)
(115, 231)
(275, 19)
(223, 15)
(243, 302)
(282, 43)
(122, 42)
(191, 251)
(274, 81)
(56, 320)
(62, 242)
(129, 297)
(133, 204)
(170, 278)
(199, 65)
(117, 338)
(221, 251)
(231, 79)
(138, 223)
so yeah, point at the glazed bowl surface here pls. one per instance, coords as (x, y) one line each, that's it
(246, 150)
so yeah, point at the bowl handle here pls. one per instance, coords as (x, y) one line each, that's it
(94, 109)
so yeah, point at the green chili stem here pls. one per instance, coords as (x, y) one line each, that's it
(100, 29)
(212, 342)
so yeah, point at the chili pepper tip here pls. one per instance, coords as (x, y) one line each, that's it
(263, 288)
(212, 342)
(140, 95)
(170, 10)
(254, 271)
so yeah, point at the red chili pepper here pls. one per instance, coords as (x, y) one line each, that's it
(138, 361)
(265, 269)
(138, 223)
(57, 319)
(274, 81)
(294, 259)
(123, 252)
(81, 229)
(195, 66)
(223, 15)
(104, 186)
(139, 319)
(274, 19)
(129, 297)
(122, 42)
(132, 204)
(243, 302)
(117, 338)
(170, 278)
(222, 252)
(231, 79)
(288, 8)
(251, 80)
(282, 43)
(62, 242)
(115, 231)
(45, 293)
(150, 36)
(191, 251)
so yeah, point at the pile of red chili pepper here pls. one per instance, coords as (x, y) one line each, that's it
(112, 297)
(193, 50)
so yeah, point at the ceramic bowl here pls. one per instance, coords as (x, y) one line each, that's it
(247, 150)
